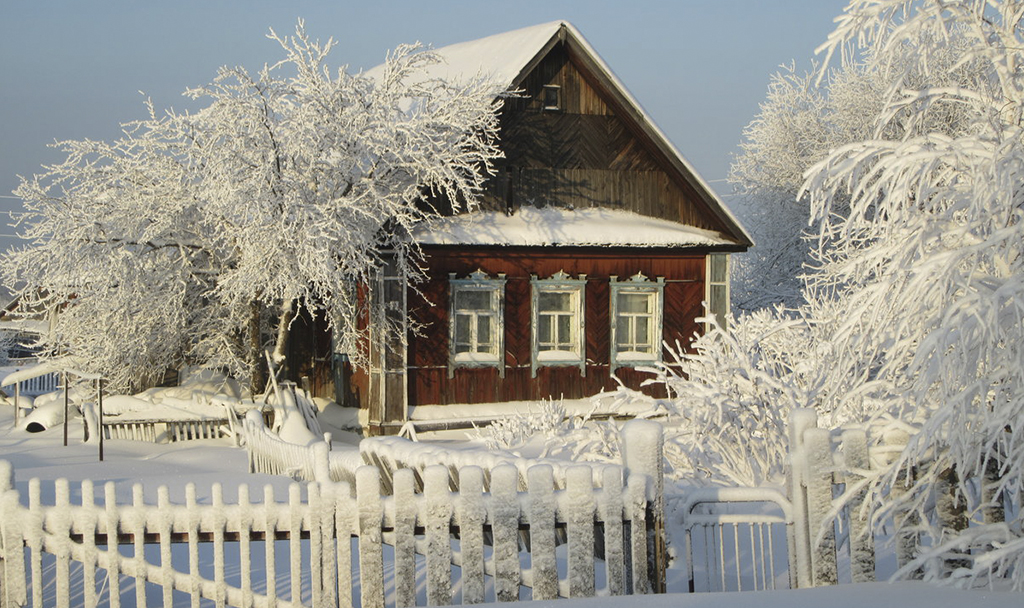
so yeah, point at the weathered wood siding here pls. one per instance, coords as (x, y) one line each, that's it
(584, 154)
(428, 352)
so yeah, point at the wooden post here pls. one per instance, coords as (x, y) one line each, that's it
(799, 540)
(643, 447)
(818, 450)
(17, 402)
(65, 409)
(862, 541)
(99, 413)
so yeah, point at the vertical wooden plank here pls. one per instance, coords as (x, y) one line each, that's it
(61, 532)
(13, 528)
(314, 511)
(862, 541)
(193, 544)
(328, 565)
(405, 539)
(219, 524)
(164, 523)
(437, 500)
(371, 568)
(245, 521)
(269, 521)
(295, 508)
(471, 515)
(541, 507)
(113, 523)
(818, 451)
(636, 507)
(34, 541)
(91, 555)
(578, 503)
(503, 514)
(610, 510)
(138, 526)
(343, 515)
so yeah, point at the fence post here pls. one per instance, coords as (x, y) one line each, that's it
(905, 520)
(643, 447)
(799, 540)
(13, 588)
(862, 541)
(818, 451)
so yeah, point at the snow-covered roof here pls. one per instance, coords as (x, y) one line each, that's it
(499, 58)
(552, 226)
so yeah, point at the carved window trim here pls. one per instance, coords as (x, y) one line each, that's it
(654, 292)
(494, 356)
(575, 354)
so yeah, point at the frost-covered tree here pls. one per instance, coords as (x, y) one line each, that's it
(928, 263)
(180, 239)
(803, 118)
(914, 313)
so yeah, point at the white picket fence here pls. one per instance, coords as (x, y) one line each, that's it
(326, 542)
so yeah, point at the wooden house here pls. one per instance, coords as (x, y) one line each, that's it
(595, 243)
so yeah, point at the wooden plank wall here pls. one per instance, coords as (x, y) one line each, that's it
(584, 154)
(428, 353)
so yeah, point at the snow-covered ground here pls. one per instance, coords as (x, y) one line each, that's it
(204, 463)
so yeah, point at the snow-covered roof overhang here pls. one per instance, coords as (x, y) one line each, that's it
(557, 227)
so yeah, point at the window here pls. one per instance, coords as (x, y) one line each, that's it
(551, 97)
(717, 296)
(477, 332)
(558, 322)
(636, 315)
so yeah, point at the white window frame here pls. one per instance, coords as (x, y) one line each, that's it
(560, 282)
(640, 284)
(711, 304)
(478, 281)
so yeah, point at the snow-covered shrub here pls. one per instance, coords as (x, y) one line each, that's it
(729, 398)
(549, 431)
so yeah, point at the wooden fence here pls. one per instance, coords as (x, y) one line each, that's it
(333, 546)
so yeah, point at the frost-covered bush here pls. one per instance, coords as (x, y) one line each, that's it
(730, 397)
(547, 430)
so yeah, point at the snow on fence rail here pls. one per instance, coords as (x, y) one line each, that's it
(326, 543)
(393, 453)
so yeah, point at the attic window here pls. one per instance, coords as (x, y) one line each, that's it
(552, 97)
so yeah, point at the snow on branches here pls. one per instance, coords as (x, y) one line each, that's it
(179, 239)
(929, 255)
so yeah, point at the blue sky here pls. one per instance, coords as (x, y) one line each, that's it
(74, 69)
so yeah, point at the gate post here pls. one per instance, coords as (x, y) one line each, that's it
(818, 449)
(643, 447)
(798, 540)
